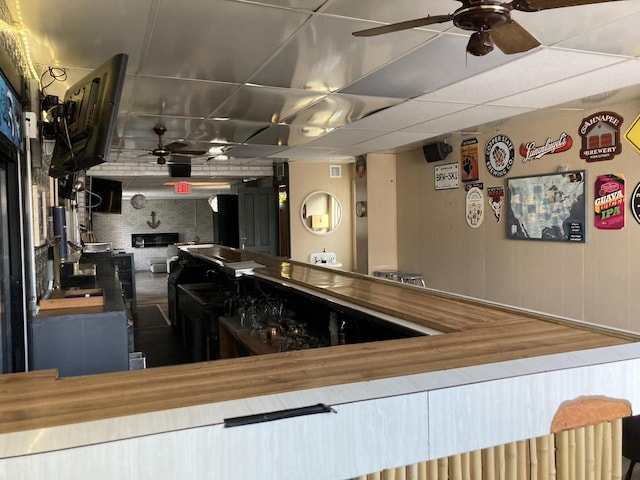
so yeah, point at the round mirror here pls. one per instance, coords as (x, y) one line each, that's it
(321, 213)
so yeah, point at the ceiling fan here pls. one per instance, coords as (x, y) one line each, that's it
(490, 21)
(163, 151)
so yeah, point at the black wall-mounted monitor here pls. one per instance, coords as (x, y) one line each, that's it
(104, 195)
(87, 117)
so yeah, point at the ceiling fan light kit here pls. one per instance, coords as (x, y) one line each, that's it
(489, 20)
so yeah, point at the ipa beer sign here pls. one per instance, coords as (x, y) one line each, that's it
(609, 202)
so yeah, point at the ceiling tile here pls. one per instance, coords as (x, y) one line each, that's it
(540, 67)
(466, 119)
(607, 79)
(185, 98)
(92, 40)
(336, 110)
(558, 24)
(342, 138)
(435, 64)
(224, 42)
(606, 39)
(265, 104)
(406, 114)
(392, 12)
(323, 56)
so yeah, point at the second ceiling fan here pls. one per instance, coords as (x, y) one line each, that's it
(163, 151)
(489, 20)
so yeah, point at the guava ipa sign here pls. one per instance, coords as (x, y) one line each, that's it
(600, 134)
(609, 202)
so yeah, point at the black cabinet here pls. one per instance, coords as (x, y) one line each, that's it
(248, 218)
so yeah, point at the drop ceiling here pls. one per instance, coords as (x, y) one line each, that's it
(258, 82)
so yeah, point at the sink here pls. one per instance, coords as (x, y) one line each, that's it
(324, 259)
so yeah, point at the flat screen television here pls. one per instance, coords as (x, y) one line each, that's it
(104, 195)
(87, 119)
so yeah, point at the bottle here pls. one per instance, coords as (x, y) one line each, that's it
(342, 334)
(333, 328)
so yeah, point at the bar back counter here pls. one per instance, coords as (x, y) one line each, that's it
(492, 392)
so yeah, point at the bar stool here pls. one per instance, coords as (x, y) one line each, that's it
(388, 274)
(412, 278)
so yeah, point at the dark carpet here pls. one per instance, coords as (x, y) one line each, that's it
(156, 338)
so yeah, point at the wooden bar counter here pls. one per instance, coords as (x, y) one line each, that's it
(495, 375)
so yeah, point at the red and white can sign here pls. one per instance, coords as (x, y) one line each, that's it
(609, 202)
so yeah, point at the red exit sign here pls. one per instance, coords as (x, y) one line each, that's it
(183, 187)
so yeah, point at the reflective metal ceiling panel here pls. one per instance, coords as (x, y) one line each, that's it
(222, 40)
(391, 12)
(177, 97)
(324, 56)
(69, 34)
(439, 62)
(193, 61)
(265, 104)
(408, 113)
(337, 110)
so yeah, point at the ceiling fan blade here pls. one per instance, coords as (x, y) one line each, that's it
(178, 147)
(396, 27)
(189, 152)
(536, 5)
(513, 38)
(175, 145)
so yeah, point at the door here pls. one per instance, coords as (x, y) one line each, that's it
(12, 317)
(257, 211)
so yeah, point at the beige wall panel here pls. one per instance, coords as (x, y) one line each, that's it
(307, 177)
(591, 281)
(381, 212)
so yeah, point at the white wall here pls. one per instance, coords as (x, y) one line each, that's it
(595, 281)
(189, 218)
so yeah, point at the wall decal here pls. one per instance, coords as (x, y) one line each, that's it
(600, 134)
(495, 195)
(548, 207)
(499, 155)
(635, 203)
(531, 151)
(446, 176)
(609, 202)
(469, 160)
(632, 135)
(153, 223)
(475, 207)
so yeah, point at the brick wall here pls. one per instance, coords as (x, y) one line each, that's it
(191, 219)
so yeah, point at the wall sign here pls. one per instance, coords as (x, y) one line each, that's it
(547, 207)
(632, 135)
(600, 134)
(446, 176)
(609, 202)
(469, 160)
(531, 151)
(475, 207)
(635, 203)
(495, 195)
(499, 155)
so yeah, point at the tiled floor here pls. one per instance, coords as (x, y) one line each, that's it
(160, 344)
(151, 285)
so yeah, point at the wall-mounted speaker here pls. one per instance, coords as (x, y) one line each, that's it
(180, 170)
(434, 152)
